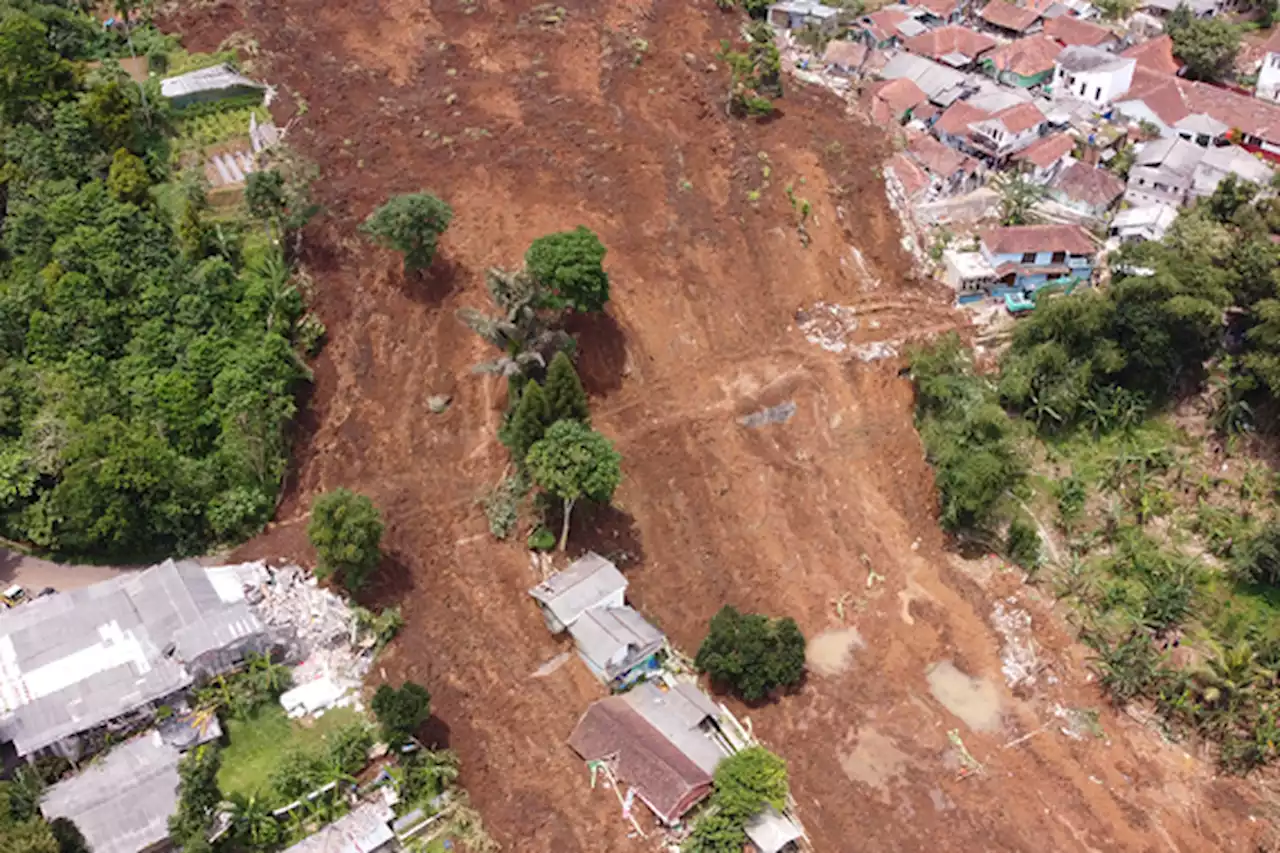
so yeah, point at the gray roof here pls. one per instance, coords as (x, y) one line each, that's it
(364, 829)
(807, 7)
(770, 831)
(76, 660)
(678, 713)
(941, 84)
(911, 28)
(1175, 155)
(1199, 123)
(215, 79)
(615, 639)
(1080, 58)
(589, 581)
(1217, 163)
(121, 803)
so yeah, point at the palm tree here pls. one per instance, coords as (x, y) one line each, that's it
(266, 679)
(1018, 196)
(521, 332)
(252, 823)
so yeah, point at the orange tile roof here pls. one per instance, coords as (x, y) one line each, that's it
(1009, 17)
(898, 95)
(1021, 239)
(1155, 55)
(1174, 98)
(1272, 44)
(1026, 57)
(939, 158)
(1044, 152)
(941, 8)
(912, 177)
(950, 39)
(1019, 117)
(1094, 186)
(957, 118)
(883, 24)
(1069, 31)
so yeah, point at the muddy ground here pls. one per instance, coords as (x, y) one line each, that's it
(613, 119)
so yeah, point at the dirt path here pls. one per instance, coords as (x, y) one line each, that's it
(35, 574)
(613, 119)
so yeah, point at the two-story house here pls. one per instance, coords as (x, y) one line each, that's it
(1026, 257)
(1091, 75)
(799, 14)
(1008, 131)
(1268, 86)
(1162, 172)
(1023, 62)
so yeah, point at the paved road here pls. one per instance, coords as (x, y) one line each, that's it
(36, 574)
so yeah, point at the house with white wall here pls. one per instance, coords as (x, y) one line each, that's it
(1091, 75)
(1008, 131)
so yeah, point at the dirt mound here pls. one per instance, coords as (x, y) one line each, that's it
(612, 118)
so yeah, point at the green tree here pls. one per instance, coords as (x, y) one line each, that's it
(68, 835)
(528, 422)
(1257, 560)
(1207, 47)
(27, 836)
(128, 179)
(716, 832)
(752, 653)
(401, 711)
(1018, 197)
(345, 529)
(749, 780)
(253, 826)
(1231, 194)
(33, 77)
(568, 265)
(756, 75)
(410, 224)
(566, 398)
(264, 194)
(571, 462)
(198, 797)
(1023, 543)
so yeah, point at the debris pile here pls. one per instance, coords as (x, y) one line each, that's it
(1018, 659)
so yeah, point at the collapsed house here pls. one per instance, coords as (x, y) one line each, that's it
(365, 829)
(103, 658)
(122, 803)
(663, 741)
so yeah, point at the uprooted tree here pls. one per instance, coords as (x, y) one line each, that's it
(572, 462)
(756, 75)
(752, 653)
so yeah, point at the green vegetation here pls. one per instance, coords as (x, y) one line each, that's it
(346, 530)
(198, 798)
(263, 742)
(400, 711)
(1207, 46)
(572, 462)
(756, 75)
(752, 654)
(149, 354)
(568, 267)
(1018, 197)
(410, 224)
(22, 829)
(745, 783)
(243, 693)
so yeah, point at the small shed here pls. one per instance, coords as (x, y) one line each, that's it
(616, 643)
(591, 581)
(216, 83)
(772, 832)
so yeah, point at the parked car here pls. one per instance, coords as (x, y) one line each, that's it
(47, 591)
(14, 595)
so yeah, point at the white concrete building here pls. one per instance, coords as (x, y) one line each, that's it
(1091, 75)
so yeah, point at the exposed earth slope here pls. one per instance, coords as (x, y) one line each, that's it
(613, 118)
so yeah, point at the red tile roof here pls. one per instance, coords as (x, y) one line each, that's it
(1026, 57)
(664, 777)
(1069, 30)
(1009, 17)
(1272, 44)
(1155, 55)
(1089, 184)
(950, 39)
(956, 118)
(941, 8)
(847, 54)
(1021, 239)
(898, 95)
(1046, 151)
(1019, 117)
(913, 179)
(883, 24)
(940, 159)
(1174, 98)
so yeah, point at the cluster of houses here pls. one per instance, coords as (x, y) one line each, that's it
(657, 733)
(1095, 114)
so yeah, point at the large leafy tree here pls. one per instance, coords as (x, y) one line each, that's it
(1207, 46)
(33, 76)
(410, 224)
(346, 530)
(400, 711)
(198, 797)
(749, 780)
(572, 462)
(568, 265)
(751, 653)
(566, 398)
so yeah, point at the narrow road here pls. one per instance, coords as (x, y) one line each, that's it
(35, 574)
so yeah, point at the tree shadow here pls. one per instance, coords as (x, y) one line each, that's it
(610, 532)
(436, 283)
(602, 351)
(434, 733)
(724, 692)
(389, 585)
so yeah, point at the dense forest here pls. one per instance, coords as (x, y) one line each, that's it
(1134, 420)
(149, 341)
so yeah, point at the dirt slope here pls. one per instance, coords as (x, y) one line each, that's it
(612, 119)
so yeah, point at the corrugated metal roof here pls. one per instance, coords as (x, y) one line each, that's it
(678, 717)
(214, 79)
(365, 829)
(122, 803)
(589, 580)
(770, 831)
(614, 639)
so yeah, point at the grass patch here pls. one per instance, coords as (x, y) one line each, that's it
(260, 742)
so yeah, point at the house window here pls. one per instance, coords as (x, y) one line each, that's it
(1161, 188)
(1029, 257)
(1083, 87)
(1059, 257)
(1097, 94)
(1142, 182)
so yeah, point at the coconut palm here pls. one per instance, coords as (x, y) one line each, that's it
(522, 331)
(252, 824)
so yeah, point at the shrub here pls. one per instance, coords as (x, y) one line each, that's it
(345, 529)
(568, 265)
(749, 780)
(1023, 543)
(752, 653)
(1258, 558)
(541, 539)
(128, 179)
(410, 224)
(401, 711)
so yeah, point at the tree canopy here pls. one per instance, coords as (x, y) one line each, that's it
(410, 224)
(568, 265)
(751, 653)
(401, 711)
(572, 462)
(1207, 46)
(346, 530)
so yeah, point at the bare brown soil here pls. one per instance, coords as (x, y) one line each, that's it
(527, 129)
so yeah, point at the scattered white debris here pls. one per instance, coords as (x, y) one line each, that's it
(1018, 653)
